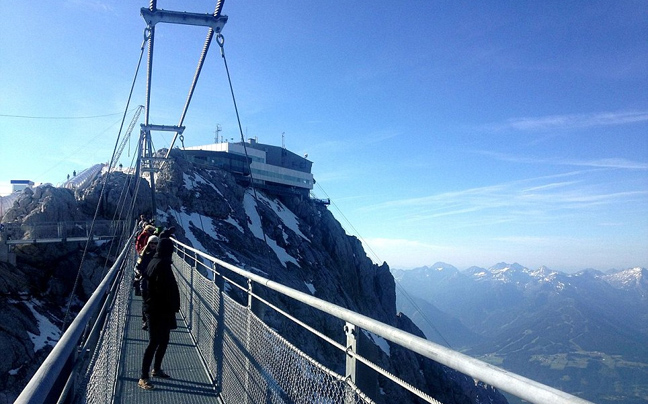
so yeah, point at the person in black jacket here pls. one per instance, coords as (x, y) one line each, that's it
(161, 300)
(168, 233)
(140, 268)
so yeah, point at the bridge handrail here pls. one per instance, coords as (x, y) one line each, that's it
(502, 379)
(62, 230)
(41, 384)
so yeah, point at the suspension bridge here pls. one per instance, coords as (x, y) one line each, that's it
(223, 351)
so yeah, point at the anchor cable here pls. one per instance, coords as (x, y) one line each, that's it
(407, 296)
(220, 39)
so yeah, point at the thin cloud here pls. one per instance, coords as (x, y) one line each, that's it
(608, 163)
(613, 163)
(571, 121)
(497, 193)
(550, 186)
(536, 241)
(529, 201)
(95, 5)
(380, 137)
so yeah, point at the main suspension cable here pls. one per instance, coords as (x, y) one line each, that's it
(201, 63)
(103, 189)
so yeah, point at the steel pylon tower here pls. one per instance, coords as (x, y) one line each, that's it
(147, 161)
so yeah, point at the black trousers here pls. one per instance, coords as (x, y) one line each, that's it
(159, 332)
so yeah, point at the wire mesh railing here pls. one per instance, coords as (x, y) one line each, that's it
(247, 360)
(250, 363)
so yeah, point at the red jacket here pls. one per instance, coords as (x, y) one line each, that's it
(141, 241)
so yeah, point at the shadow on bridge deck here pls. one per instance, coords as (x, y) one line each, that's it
(189, 381)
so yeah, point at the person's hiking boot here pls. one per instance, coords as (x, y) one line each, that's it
(144, 384)
(160, 373)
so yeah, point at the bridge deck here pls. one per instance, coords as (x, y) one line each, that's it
(189, 381)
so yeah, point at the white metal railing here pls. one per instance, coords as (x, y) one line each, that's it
(189, 262)
(13, 233)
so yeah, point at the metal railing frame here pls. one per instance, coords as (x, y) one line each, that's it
(519, 386)
(62, 230)
(42, 386)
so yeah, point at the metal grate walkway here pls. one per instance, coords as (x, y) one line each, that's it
(189, 381)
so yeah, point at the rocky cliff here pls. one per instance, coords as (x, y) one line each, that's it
(297, 242)
(35, 292)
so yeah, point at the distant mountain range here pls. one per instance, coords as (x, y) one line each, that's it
(584, 333)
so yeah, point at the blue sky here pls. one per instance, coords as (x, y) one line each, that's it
(464, 132)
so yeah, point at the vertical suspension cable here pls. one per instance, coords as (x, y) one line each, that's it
(147, 133)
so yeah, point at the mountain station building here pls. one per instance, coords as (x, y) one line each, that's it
(273, 168)
(20, 185)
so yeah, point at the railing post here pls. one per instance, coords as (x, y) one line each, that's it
(248, 340)
(191, 292)
(219, 281)
(250, 298)
(351, 332)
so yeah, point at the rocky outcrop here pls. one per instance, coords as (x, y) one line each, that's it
(108, 200)
(44, 204)
(32, 307)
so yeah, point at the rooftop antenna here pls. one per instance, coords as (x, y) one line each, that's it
(283, 143)
(218, 130)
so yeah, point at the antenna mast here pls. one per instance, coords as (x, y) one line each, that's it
(218, 130)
